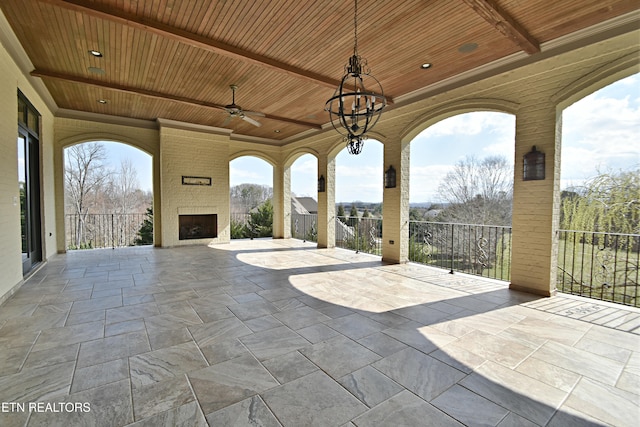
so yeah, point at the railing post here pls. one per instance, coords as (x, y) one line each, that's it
(451, 271)
(113, 242)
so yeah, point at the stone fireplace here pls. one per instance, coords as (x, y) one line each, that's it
(197, 226)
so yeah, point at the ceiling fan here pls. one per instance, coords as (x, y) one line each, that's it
(235, 110)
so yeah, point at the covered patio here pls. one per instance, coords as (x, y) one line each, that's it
(279, 332)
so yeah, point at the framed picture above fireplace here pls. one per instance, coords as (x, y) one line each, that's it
(196, 180)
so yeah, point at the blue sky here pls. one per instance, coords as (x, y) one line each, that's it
(600, 132)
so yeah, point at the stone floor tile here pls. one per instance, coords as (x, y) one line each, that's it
(188, 415)
(101, 374)
(405, 409)
(425, 376)
(324, 401)
(339, 356)
(499, 349)
(11, 359)
(469, 408)
(210, 332)
(263, 323)
(580, 361)
(123, 327)
(568, 417)
(301, 317)
(515, 420)
(86, 317)
(355, 326)
(173, 320)
(15, 337)
(130, 312)
(317, 333)
(173, 296)
(253, 309)
(109, 405)
(273, 342)
(158, 365)
(41, 358)
(548, 373)
(212, 313)
(223, 349)
(34, 322)
(289, 367)
(153, 399)
(96, 304)
(606, 403)
(167, 338)
(247, 413)
(41, 383)
(59, 337)
(229, 382)
(409, 334)
(112, 348)
(370, 386)
(514, 391)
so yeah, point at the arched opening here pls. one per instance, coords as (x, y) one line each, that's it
(599, 236)
(251, 197)
(108, 195)
(304, 198)
(461, 194)
(358, 195)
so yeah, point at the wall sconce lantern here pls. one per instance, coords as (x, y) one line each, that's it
(321, 184)
(390, 178)
(533, 165)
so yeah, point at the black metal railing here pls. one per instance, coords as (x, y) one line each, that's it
(599, 265)
(304, 227)
(359, 234)
(483, 250)
(93, 231)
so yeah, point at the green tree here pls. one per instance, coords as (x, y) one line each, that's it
(261, 221)
(341, 214)
(145, 233)
(366, 214)
(353, 216)
(608, 202)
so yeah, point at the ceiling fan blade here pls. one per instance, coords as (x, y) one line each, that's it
(226, 121)
(252, 121)
(253, 113)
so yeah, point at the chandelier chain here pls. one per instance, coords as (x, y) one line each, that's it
(355, 29)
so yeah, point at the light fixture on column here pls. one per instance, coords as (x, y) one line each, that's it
(354, 107)
(390, 177)
(533, 165)
(321, 184)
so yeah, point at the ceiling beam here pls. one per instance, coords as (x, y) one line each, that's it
(494, 15)
(216, 46)
(153, 94)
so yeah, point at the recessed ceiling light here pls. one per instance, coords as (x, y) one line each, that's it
(468, 47)
(102, 101)
(96, 53)
(277, 131)
(96, 70)
(425, 65)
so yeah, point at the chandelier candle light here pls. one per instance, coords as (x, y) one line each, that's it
(354, 110)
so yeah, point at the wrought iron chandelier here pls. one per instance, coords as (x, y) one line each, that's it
(354, 110)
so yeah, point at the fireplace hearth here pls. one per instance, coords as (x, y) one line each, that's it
(198, 226)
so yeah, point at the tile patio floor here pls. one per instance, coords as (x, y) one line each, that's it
(277, 332)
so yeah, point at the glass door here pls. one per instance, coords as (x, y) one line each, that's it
(29, 186)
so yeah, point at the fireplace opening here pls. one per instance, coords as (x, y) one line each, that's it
(198, 226)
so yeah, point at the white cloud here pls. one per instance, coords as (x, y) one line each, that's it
(425, 181)
(468, 124)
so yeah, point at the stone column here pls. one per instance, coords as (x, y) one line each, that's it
(281, 202)
(536, 204)
(395, 204)
(327, 203)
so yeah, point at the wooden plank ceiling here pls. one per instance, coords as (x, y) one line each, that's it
(175, 59)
